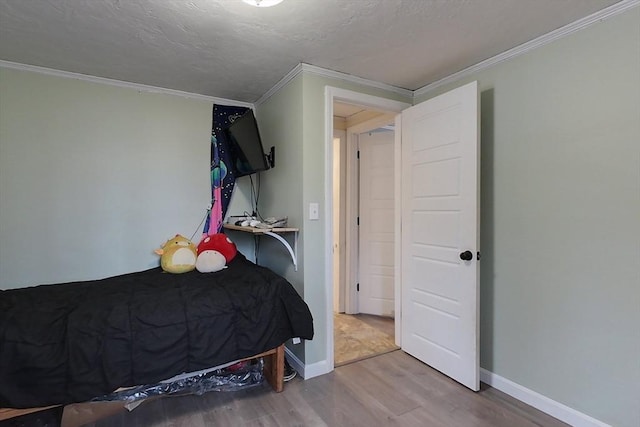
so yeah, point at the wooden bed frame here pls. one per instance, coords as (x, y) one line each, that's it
(273, 373)
(273, 367)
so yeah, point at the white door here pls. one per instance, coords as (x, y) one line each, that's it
(376, 231)
(440, 217)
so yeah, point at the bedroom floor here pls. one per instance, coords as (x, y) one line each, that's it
(387, 390)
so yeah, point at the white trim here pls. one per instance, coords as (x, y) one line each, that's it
(539, 401)
(312, 69)
(306, 371)
(328, 229)
(281, 83)
(601, 15)
(397, 247)
(339, 200)
(355, 79)
(316, 369)
(119, 83)
(568, 29)
(351, 227)
(370, 101)
(295, 363)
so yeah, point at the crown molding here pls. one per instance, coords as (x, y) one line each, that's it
(281, 83)
(568, 29)
(312, 69)
(119, 83)
(355, 79)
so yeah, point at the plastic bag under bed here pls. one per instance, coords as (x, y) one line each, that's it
(239, 376)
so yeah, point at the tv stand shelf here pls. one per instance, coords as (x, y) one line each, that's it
(276, 234)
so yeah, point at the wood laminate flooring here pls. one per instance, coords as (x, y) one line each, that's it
(393, 389)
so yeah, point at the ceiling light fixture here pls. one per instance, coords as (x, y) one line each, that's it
(262, 3)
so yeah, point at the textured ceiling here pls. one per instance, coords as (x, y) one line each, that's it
(227, 49)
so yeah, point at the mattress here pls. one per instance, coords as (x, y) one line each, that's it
(71, 342)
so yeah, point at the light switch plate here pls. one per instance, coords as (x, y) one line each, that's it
(314, 213)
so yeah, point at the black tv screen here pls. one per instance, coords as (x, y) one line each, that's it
(247, 153)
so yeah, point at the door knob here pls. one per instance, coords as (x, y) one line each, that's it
(466, 256)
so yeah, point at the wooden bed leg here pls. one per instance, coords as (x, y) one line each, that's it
(274, 369)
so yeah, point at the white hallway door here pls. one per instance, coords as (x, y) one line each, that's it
(440, 233)
(376, 230)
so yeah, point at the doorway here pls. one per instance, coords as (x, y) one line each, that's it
(436, 200)
(363, 233)
(371, 103)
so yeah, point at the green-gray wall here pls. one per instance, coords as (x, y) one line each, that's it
(94, 177)
(560, 227)
(280, 123)
(294, 121)
(560, 294)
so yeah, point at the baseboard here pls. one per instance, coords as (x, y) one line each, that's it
(540, 402)
(306, 371)
(530, 397)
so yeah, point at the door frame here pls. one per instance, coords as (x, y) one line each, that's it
(383, 104)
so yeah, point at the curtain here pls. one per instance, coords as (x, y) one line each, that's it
(222, 176)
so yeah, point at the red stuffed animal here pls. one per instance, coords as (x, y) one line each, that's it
(214, 253)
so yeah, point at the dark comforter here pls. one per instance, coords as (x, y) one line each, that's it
(75, 341)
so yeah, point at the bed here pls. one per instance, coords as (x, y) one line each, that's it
(71, 342)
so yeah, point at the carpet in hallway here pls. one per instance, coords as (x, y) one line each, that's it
(355, 340)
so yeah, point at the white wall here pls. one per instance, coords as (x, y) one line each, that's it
(94, 177)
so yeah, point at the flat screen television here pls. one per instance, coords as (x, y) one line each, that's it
(247, 153)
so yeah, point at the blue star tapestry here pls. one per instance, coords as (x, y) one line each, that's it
(222, 175)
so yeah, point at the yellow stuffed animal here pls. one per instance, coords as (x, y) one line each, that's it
(178, 255)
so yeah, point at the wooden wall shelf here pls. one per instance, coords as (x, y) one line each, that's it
(276, 234)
